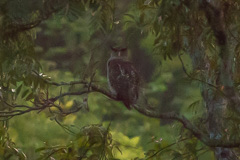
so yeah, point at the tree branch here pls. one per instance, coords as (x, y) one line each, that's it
(143, 110)
(202, 81)
(185, 122)
(91, 87)
(16, 27)
(40, 106)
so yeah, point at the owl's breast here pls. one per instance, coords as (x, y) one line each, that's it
(110, 77)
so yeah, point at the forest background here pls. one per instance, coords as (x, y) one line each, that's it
(55, 102)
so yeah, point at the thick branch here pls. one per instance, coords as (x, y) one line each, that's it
(94, 88)
(173, 116)
(68, 94)
(185, 122)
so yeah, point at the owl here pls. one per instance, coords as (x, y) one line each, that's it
(123, 78)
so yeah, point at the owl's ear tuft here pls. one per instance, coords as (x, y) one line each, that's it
(114, 49)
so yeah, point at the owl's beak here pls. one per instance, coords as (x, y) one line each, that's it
(119, 54)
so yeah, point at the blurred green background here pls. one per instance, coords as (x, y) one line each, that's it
(73, 44)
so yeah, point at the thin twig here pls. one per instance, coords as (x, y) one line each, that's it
(189, 76)
(64, 127)
(166, 148)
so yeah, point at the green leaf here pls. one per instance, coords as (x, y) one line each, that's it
(131, 16)
(25, 93)
(29, 97)
(194, 104)
(40, 149)
(18, 90)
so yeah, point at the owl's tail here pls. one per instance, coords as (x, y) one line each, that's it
(139, 99)
(127, 104)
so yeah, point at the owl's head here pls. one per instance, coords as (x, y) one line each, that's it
(119, 53)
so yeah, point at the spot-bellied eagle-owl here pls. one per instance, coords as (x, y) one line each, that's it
(123, 79)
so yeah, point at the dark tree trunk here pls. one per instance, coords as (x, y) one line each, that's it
(216, 104)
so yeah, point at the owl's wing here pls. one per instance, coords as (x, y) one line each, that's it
(128, 73)
(124, 79)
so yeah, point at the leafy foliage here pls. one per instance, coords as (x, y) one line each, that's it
(92, 142)
(53, 55)
(8, 148)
